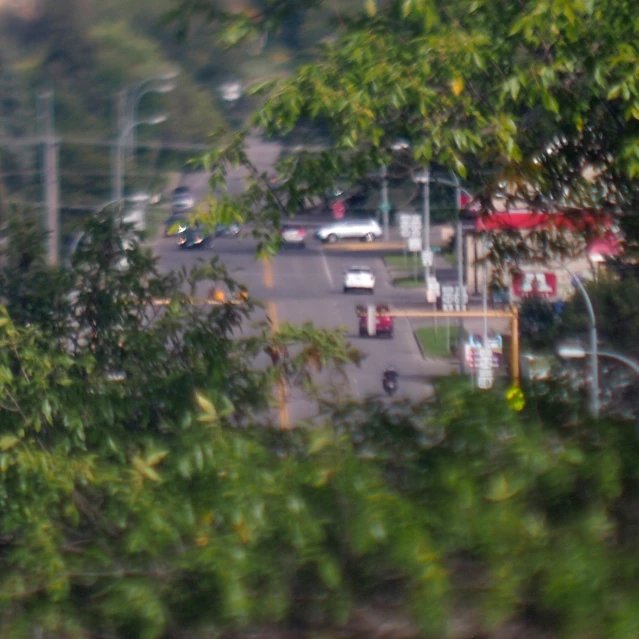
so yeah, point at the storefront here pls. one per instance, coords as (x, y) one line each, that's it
(540, 279)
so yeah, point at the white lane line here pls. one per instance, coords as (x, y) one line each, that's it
(327, 270)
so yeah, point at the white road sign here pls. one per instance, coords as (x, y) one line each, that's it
(452, 300)
(427, 257)
(414, 244)
(485, 377)
(410, 225)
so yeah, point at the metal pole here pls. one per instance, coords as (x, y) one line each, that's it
(484, 292)
(514, 345)
(118, 188)
(459, 237)
(51, 180)
(426, 210)
(594, 367)
(385, 205)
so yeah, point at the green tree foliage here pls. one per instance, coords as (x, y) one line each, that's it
(616, 306)
(538, 322)
(145, 493)
(539, 97)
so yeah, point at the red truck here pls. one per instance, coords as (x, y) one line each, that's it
(384, 323)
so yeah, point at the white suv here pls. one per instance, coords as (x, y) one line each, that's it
(365, 230)
(360, 277)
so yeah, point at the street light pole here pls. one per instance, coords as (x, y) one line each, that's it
(118, 161)
(385, 204)
(594, 367)
(424, 179)
(134, 96)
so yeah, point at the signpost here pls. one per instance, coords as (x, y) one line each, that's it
(410, 225)
(485, 378)
(452, 299)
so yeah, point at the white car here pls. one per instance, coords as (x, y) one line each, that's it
(365, 230)
(360, 277)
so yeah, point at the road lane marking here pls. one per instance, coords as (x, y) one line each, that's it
(271, 312)
(327, 270)
(268, 272)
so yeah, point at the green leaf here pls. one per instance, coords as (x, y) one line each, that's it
(7, 442)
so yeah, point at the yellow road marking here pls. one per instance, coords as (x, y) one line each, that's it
(271, 311)
(268, 273)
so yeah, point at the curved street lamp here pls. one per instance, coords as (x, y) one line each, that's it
(593, 352)
(138, 92)
(577, 351)
(118, 164)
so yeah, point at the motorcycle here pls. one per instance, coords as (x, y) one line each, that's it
(390, 381)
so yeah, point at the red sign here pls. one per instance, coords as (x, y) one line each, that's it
(339, 208)
(534, 283)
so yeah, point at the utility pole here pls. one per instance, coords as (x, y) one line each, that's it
(51, 178)
(427, 249)
(385, 205)
(116, 178)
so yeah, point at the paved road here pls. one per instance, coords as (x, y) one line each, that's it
(305, 285)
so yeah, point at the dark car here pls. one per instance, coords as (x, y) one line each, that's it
(195, 238)
(182, 200)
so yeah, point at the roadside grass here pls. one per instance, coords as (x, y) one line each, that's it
(409, 261)
(155, 217)
(401, 261)
(437, 341)
(408, 282)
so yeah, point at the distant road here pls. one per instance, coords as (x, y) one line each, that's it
(262, 153)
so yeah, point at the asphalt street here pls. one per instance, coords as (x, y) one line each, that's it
(305, 285)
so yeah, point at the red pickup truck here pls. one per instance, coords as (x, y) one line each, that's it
(384, 323)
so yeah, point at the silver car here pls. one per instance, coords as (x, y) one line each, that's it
(365, 230)
(182, 200)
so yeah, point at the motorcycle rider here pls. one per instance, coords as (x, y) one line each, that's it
(390, 379)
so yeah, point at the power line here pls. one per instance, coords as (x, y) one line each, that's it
(102, 142)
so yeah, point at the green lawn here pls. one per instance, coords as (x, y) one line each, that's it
(409, 282)
(434, 340)
(401, 261)
(407, 262)
(155, 217)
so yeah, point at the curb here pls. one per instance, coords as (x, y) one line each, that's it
(419, 344)
(364, 246)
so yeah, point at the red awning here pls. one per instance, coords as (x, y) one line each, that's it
(526, 220)
(608, 245)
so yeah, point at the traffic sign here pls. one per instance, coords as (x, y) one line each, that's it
(410, 225)
(485, 378)
(414, 244)
(427, 257)
(452, 300)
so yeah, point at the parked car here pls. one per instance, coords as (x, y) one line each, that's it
(195, 237)
(175, 224)
(359, 277)
(230, 230)
(365, 230)
(293, 234)
(182, 200)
